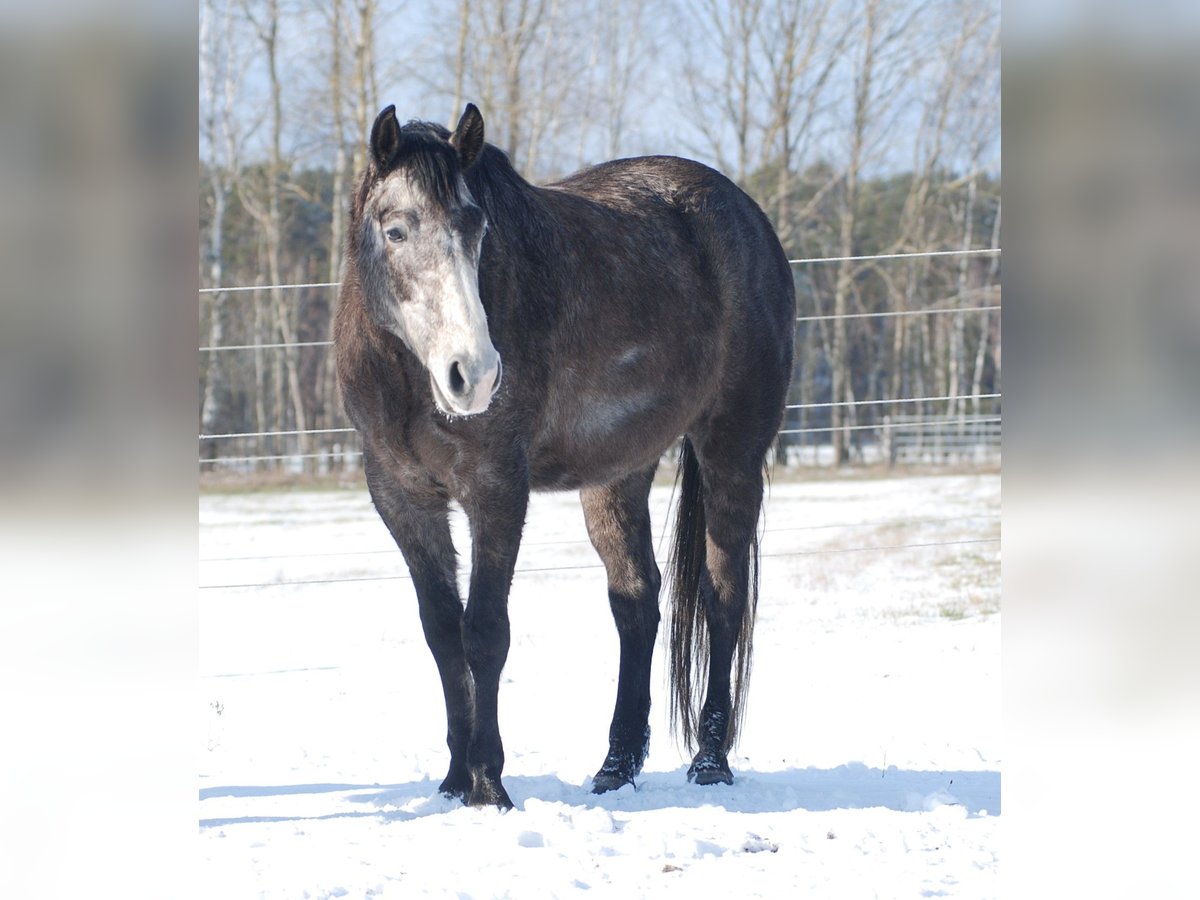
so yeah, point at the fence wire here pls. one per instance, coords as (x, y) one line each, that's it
(795, 262)
(579, 542)
(919, 423)
(846, 403)
(343, 454)
(901, 400)
(593, 566)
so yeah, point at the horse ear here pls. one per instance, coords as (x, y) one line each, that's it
(385, 138)
(468, 136)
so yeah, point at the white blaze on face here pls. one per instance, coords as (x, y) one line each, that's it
(436, 308)
(462, 362)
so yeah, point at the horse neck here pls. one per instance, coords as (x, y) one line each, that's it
(517, 210)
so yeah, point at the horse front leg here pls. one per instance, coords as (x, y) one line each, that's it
(497, 517)
(618, 523)
(418, 521)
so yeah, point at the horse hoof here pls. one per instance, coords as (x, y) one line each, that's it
(621, 766)
(709, 769)
(456, 787)
(603, 782)
(711, 776)
(490, 794)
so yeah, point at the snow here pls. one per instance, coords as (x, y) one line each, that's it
(869, 764)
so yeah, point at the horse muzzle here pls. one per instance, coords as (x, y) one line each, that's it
(465, 386)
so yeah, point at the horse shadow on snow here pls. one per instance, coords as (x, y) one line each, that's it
(852, 786)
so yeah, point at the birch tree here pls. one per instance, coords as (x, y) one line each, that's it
(265, 19)
(883, 62)
(222, 64)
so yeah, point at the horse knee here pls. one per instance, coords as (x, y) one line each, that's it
(441, 620)
(485, 640)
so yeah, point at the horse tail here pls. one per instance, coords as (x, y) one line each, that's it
(689, 644)
(689, 649)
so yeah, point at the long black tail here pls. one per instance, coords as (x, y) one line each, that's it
(689, 630)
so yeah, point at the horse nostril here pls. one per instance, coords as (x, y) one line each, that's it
(458, 384)
(499, 375)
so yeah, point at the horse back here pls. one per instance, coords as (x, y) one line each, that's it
(676, 304)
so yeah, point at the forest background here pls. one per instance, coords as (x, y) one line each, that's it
(862, 128)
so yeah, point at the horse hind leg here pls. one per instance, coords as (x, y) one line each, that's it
(718, 643)
(618, 523)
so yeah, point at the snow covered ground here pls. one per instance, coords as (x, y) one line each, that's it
(869, 765)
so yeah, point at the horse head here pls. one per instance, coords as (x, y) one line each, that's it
(420, 234)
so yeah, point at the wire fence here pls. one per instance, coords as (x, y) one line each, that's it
(987, 521)
(973, 432)
(405, 576)
(794, 262)
(895, 437)
(658, 538)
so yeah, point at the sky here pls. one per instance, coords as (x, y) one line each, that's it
(662, 117)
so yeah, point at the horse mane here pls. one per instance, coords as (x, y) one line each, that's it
(430, 160)
(427, 155)
(434, 165)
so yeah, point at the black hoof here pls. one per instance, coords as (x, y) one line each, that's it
(621, 766)
(603, 782)
(710, 768)
(456, 785)
(710, 776)
(488, 792)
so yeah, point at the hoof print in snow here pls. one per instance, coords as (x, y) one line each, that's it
(756, 844)
(670, 868)
(531, 839)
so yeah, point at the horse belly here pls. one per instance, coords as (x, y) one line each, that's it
(591, 438)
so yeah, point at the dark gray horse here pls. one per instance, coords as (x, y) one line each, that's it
(494, 338)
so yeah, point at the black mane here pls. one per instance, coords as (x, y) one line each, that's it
(429, 158)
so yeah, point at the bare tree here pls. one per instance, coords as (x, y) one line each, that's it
(337, 108)
(366, 89)
(505, 34)
(221, 66)
(801, 44)
(524, 63)
(977, 120)
(621, 28)
(336, 21)
(265, 21)
(730, 27)
(213, 79)
(883, 62)
(554, 78)
(460, 61)
(955, 127)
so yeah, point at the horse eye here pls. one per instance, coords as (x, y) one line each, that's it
(396, 235)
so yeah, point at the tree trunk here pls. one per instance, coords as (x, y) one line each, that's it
(214, 381)
(958, 343)
(460, 61)
(364, 62)
(862, 100)
(327, 383)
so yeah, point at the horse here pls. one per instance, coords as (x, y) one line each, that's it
(494, 338)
